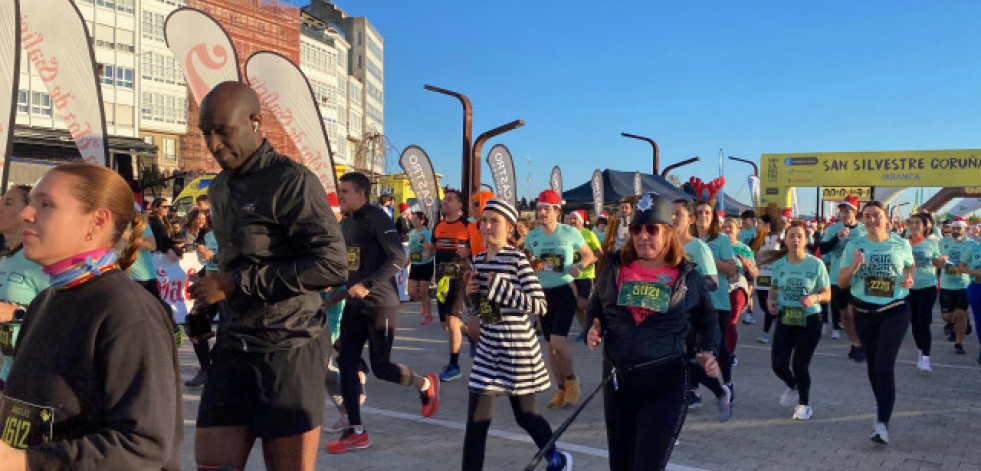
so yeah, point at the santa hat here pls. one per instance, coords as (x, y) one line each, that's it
(603, 215)
(786, 215)
(851, 201)
(549, 198)
(958, 222)
(579, 214)
(403, 208)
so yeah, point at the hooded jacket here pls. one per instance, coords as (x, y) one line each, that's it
(661, 335)
(278, 238)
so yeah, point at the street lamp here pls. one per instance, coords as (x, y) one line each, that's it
(649, 141)
(671, 167)
(756, 169)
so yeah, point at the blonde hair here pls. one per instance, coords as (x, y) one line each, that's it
(97, 187)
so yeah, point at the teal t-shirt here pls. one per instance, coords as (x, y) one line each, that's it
(973, 261)
(721, 247)
(924, 252)
(557, 250)
(834, 256)
(21, 279)
(701, 255)
(212, 244)
(142, 268)
(746, 235)
(955, 250)
(600, 235)
(794, 281)
(415, 246)
(878, 280)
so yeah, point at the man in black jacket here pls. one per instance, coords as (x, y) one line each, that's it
(374, 255)
(279, 246)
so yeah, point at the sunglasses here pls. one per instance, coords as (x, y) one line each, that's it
(652, 229)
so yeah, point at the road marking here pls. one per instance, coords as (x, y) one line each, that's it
(836, 355)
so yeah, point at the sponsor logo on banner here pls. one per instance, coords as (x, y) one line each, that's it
(202, 48)
(555, 180)
(422, 178)
(285, 92)
(502, 171)
(596, 183)
(55, 40)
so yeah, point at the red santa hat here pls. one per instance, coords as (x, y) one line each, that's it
(958, 222)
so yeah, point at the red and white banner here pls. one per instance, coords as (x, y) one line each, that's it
(173, 280)
(56, 42)
(285, 92)
(202, 48)
(9, 71)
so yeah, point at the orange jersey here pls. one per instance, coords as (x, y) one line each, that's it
(448, 237)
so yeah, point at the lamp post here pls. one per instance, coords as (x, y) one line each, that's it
(650, 141)
(671, 167)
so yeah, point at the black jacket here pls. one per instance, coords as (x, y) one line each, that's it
(661, 335)
(279, 239)
(102, 355)
(371, 236)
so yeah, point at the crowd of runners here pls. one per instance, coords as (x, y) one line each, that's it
(298, 290)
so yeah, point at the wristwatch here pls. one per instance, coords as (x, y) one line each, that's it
(19, 313)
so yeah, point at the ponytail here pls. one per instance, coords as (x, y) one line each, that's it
(132, 250)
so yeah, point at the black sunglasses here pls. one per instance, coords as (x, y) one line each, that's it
(652, 229)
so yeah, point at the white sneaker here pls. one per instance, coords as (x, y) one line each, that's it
(789, 397)
(764, 338)
(924, 365)
(802, 412)
(749, 319)
(835, 334)
(880, 435)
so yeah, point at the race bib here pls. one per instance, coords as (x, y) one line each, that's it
(415, 258)
(763, 281)
(793, 316)
(880, 286)
(645, 294)
(8, 334)
(353, 258)
(952, 270)
(451, 270)
(25, 424)
(554, 261)
(489, 312)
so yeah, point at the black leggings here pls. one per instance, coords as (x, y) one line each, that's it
(882, 334)
(697, 373)
(798, 342)
(480, 411)
(921, 303)
(763, 296)
(376, 326)
(644, 414)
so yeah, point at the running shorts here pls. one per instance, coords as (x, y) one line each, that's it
(584, 287)
(422, 271)
(839, 297)
(561, 310)
(952, 300)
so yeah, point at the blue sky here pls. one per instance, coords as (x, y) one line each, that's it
(746, 77)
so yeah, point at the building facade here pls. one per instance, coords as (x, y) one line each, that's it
(323, 59)
(162, 90)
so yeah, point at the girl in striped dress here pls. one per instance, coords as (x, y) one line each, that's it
(503, 290)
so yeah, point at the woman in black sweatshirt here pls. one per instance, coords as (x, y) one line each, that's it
(94, 383)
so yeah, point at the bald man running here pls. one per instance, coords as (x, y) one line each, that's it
(279, 247)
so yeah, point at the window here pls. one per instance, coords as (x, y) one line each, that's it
(146, 106)
(22, 105)
(148, 139)
(377, 51)
(153, 24)
(373, 69)
(106, 3)
(108, 72)
(169, 148)
(124, 77)
(163, 108)
(360, 38)
(40, 103)
(124, 40)
(125, 6)
(360, 65)
(103, 36)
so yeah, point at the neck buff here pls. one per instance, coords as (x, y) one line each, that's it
(80, 268)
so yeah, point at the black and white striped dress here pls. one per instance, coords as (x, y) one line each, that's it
(508, 359)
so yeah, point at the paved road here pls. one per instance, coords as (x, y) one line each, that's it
(936, 426)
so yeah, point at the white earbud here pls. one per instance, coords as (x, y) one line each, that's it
(255, 126)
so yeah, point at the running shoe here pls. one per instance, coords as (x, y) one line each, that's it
(748, 319)
(350, 440)
(732, 392)
(579, 338)
(735, 361)
(558, 400)
(857, 354)
(724, 403)
(764, 338)
(959, 349)
(426, 319)
(339, 426)
(430, 397)
(880, 434)
(835, 334)
(693, 400)
(948, 329)
(923, 366)
(449, 373)
(789, 397)
(198, 380)
(802, 412)
(560, 461)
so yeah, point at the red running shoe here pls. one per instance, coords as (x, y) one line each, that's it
(349, 441)
(426, 319)
(430, 397)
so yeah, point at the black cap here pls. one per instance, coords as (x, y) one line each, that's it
(652, 209)
(748, 214)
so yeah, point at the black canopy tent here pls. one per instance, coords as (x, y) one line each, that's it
(618, 184)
